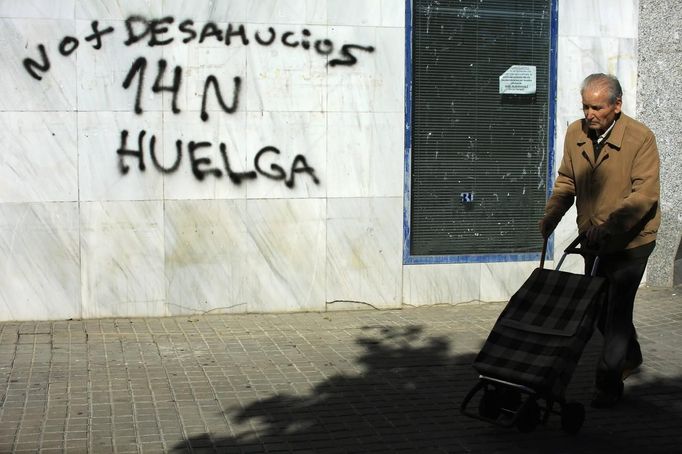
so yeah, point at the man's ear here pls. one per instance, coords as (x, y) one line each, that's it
(618, 105)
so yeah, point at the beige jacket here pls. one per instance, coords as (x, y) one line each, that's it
(620, 190)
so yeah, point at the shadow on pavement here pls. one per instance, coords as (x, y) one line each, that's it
(407, 400)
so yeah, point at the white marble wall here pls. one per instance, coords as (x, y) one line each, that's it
(80, 239)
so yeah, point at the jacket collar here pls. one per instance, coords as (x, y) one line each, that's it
(615, 139)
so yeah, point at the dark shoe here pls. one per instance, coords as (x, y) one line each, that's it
(603, 399)
(607, 399)
(631, 368)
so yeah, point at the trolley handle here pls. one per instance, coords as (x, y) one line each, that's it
(573, 249)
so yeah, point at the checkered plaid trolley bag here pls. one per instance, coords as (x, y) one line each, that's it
(529, 357)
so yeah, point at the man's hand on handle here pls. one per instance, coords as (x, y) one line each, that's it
(546, 226)
(596, 235)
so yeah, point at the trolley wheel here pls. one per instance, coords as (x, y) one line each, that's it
(529, 416)
(572, 417)
(489, 405)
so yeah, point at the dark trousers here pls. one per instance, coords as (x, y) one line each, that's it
(624, 273)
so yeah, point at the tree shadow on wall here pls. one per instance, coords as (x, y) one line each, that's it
(407, 400)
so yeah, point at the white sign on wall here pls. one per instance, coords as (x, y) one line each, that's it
(518, 80)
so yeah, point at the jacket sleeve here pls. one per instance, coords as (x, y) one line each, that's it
(644, 196)
(563, 192)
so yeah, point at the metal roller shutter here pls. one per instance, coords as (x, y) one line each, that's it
(479, 158)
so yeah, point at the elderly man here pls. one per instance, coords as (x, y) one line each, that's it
(611, 167)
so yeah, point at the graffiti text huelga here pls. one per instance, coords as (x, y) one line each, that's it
(202, 166)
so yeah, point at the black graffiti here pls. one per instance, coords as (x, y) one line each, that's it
(139, 68)
(159, 32)
(140, 28)
(348, 58)
(287, 42)
(32, 65)
(155, 28)
(241, 32)
(235, 177)
(68, 45)
(186, 27)
(211, 81)
(97, 34)
(305, 44)
(155, 161)
(263, 42)
(202, 166)
(125, 151)
(174, 88)
(210, 30)
(298, 165)
(329, 47)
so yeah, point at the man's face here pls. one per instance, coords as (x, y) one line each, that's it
(598, 110)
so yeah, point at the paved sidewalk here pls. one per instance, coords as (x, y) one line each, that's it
(356, 381)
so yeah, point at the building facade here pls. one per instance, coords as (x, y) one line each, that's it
(230, 156)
